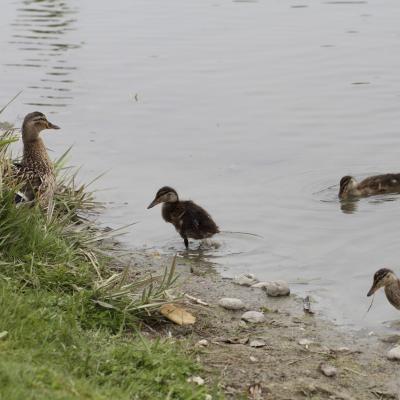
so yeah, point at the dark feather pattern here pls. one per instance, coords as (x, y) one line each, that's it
(373, 185)
(387, 183)
(30, 181)
(189, 219)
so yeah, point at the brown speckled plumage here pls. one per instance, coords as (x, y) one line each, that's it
(36, 170)
(393, 294)
(373, 185)
(189, 219)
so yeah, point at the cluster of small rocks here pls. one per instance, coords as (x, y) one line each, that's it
(272, 288)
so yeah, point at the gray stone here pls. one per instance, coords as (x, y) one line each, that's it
(257, 343)
(276, 288)
(231, 303)
(328, 370)
(394, 353)
(254, 317)
(245, 280)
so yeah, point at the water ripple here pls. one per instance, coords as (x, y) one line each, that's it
(42, 42)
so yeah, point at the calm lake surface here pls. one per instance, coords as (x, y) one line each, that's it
(255, 109)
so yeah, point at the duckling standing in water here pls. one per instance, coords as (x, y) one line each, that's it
(379, 184)
(387, 278)
(36, 171)
(189, 219)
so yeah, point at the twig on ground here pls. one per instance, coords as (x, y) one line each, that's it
(299, 360)
(196, 300)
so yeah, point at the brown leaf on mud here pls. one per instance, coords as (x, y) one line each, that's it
(177, 314)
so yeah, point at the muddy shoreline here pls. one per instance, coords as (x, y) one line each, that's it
(283, 368)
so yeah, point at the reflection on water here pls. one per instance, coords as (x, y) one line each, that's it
(40, 35)
(349, 206)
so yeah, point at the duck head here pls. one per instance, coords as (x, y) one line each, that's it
(382, 278)
(165, 195)
(347, 185)
(33, 124)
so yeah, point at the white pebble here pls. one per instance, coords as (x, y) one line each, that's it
(394, 354)
(343, 349)
(274, 288)
(328, 370)
(253, 359)
(231, 303)
(305, 342)
(196, 379)
(257, 343)
(253, 316)
(202, 343)
(245, 280)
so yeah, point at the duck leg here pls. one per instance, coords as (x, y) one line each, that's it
(185, 239)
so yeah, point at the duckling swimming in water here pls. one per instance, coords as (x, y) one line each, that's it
(36, 171)
(189, 219)
(379, 184)
(387, 278)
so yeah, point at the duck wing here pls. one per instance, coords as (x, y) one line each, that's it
(196, 223)
(31, 182)
(381, 183)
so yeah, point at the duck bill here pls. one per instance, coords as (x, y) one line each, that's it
(153, 203)
(52, 126)
(372, 290)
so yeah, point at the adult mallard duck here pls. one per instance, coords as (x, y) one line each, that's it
(189, 219)
(379, 184)
(387, 278)
(35, 172)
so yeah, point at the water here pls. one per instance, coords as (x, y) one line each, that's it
(254, 109)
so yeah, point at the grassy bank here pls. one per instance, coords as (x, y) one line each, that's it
(69, 322)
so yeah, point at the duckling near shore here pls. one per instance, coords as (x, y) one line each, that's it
(36, 171)
(189, 219)
(379, 184)
(387, 278)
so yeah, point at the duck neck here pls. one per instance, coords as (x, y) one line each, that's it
(170, 205)
(392, 291)
(35, 153)
(168, 209)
